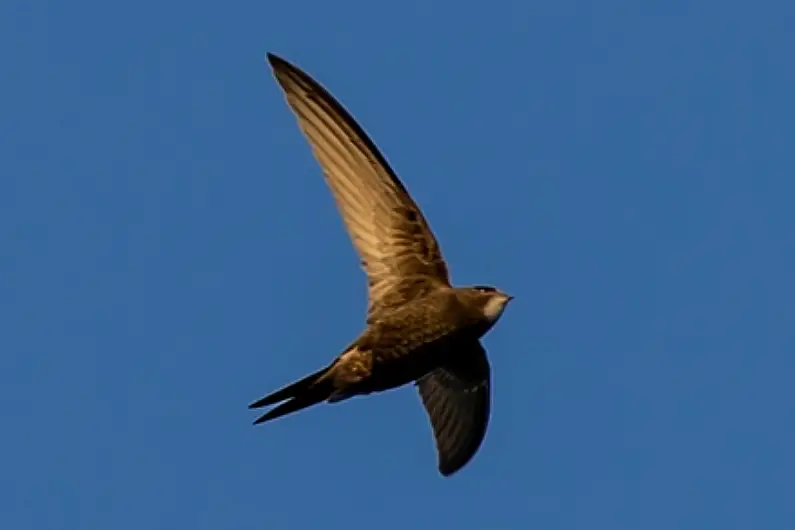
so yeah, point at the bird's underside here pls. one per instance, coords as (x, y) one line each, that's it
(433, 342)
(419, 328)
(452, 378)
(401, 348)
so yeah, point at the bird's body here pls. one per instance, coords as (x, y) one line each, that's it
(400, 348)
(419, 328)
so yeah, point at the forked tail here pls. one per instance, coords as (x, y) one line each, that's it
(304, 393)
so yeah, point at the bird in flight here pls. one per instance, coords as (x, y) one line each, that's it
(419, 327)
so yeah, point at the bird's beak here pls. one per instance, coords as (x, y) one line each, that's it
(508, 298)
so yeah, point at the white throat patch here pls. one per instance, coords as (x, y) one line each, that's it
(494, 308)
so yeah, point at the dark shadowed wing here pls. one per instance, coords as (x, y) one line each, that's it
(399, 252)
(457, 399)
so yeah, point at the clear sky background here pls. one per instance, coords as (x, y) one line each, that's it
(169, 252)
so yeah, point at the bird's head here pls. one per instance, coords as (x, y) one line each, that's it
(490, 300)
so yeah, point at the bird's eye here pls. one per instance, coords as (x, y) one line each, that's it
(485, 289)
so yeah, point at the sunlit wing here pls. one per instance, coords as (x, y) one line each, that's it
(399, 252)
(457, 400)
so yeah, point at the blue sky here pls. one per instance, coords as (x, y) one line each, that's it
(169, 252)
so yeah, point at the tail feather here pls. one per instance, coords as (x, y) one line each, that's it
(304, 393)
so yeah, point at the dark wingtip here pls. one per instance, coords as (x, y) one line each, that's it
(275, 61)
(283, 71)
(448, 472)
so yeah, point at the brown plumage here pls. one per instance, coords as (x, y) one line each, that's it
(419, 328)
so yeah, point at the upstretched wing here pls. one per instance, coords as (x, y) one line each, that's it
(398, 250)
(457, 399)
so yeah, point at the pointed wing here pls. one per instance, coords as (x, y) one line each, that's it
(398, 250)
(457, 400)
